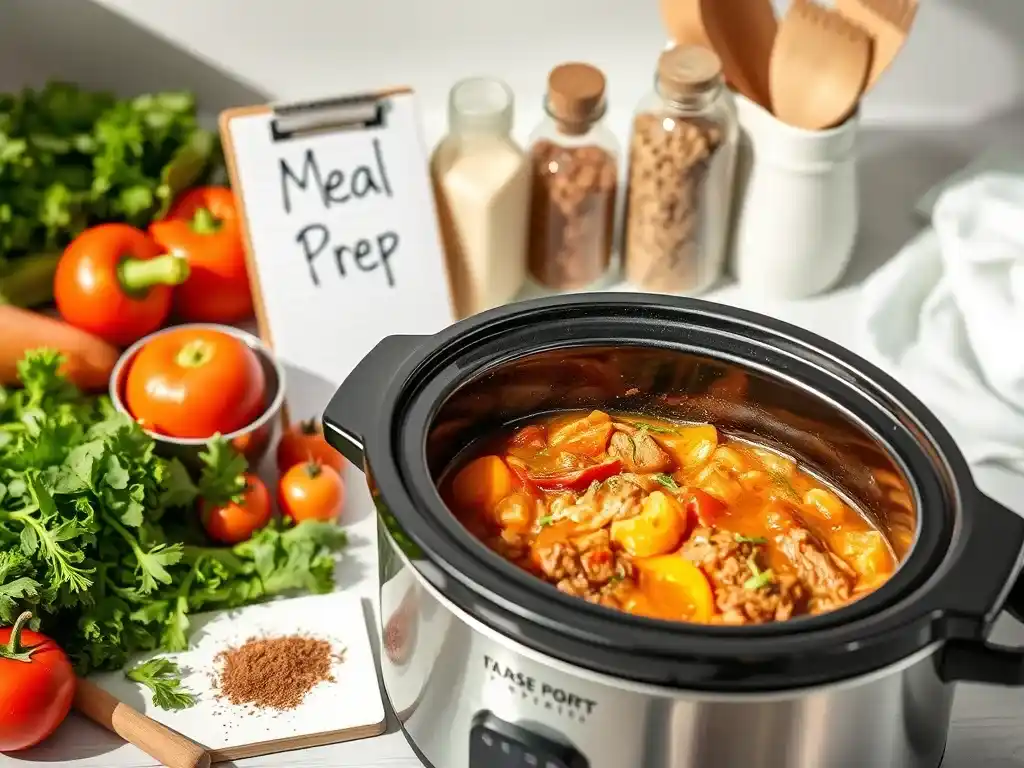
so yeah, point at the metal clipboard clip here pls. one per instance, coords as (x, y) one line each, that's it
(343, 113)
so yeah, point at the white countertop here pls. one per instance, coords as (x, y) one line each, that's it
(897, 167)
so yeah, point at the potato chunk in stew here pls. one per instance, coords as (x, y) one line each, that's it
(672, 521)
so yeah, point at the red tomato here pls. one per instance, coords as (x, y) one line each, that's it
(237, 521)
(304, 441)
(195, 382)
(37, 685)
(311, 491)
(702, 507)
(533, 436)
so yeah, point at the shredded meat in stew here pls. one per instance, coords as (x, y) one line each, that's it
(667, 520)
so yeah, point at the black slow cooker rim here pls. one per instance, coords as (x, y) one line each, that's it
(881, 627)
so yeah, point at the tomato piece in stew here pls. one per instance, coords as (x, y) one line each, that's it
(667, 520)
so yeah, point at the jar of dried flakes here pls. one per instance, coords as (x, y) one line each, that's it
(681, 168)
(574, 161)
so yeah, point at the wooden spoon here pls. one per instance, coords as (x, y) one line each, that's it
(819, 66)
(158, 741)
(742, 33)
(888, 23)
(683, 22)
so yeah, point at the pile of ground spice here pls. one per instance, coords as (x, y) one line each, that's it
(274, 672)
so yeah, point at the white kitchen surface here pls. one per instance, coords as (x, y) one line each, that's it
(957, 89)
(350, 701)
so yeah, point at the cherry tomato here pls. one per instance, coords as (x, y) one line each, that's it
(195, 382)
(579, 479)
(237, 521)
(311, 491)
(37, 685)
(114, 282)
(304, 441)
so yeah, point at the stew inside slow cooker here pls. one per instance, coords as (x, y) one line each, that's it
(670, 520)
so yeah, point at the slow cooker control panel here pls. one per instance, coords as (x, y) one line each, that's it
(495, 743)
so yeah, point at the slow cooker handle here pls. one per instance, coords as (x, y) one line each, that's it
(977, 660)
(356, 406)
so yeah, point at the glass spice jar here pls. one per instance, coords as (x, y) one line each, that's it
(680, 180)
(574, 160)
(482, 186)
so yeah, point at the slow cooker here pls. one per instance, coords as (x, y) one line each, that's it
(490, 667)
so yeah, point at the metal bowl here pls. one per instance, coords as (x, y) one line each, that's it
(252, 440)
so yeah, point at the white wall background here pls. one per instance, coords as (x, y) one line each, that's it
(964, 62)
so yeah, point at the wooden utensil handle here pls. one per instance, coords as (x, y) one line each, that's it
(156, 740)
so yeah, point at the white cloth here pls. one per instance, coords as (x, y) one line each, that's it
(946, 317)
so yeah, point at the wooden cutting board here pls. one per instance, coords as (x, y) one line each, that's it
(349, 707)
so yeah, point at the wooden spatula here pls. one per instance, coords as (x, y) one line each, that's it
(683, 22)
(888, 23)
(742, 33)
(819, 66)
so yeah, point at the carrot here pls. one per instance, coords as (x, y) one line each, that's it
(482, 483)
(88, 360)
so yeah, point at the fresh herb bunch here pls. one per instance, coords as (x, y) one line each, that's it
(97, 536)
(71, 158)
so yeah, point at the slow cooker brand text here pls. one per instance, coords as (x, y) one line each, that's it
(527, 684)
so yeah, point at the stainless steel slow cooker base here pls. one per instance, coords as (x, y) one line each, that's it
(469, 698)
(490, 667)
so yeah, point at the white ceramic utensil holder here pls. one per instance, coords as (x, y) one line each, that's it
(796, 206)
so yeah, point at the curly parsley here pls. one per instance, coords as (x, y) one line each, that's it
(92, 542)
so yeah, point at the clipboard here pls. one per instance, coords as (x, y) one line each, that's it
(341, 231)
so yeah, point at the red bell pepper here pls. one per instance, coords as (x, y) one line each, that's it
(577, 479)
(115, 282)
(205, 227)
(702, 506)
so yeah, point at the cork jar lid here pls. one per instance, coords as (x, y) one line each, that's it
(687, 69)
(576, 93)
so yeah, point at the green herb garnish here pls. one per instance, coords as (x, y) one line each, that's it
(544, 520)
(632, 443)
(666, 480)
(643, 426)
(741, 539)
(760, 579)
(163, 678)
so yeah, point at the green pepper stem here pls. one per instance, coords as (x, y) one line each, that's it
(314, 468)
(138, 275)
(204, 222)
(14, 650)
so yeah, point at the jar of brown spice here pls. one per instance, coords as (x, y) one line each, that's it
(574, 160)
(682, 158)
